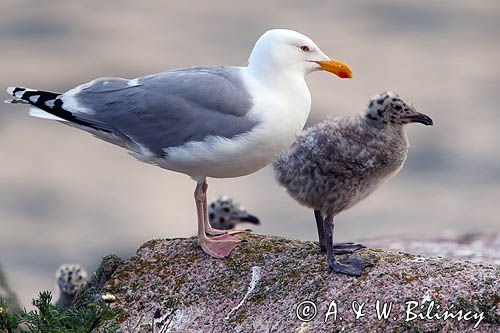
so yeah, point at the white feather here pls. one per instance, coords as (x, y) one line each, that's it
(133, 83)
(70, 101)
(38, 113)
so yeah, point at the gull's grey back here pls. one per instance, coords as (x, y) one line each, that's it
(164, 110)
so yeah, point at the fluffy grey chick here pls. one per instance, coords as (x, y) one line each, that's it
(337, 163)
(70, 279)
(224, 213)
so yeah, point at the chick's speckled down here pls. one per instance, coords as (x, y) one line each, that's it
(340, 161)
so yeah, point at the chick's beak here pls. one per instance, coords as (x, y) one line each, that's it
(250, 219)
(336, 67)
(421, 118)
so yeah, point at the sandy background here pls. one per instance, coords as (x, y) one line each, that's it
(67, 197)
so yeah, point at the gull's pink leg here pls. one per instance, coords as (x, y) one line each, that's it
(216, 232)
(208, 228)
(219, 246)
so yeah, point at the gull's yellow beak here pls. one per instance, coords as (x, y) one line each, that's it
(336, 67)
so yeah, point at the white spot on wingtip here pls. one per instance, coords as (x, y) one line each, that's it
(34, 98)
(21, 91)
(10, 90)
(50, 103)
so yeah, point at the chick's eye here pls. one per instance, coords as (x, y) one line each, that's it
(304, 48)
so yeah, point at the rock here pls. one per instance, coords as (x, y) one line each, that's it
(477, 247)
(7, 294)
(93, 289)
(176, 286)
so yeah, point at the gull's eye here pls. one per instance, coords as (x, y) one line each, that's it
(304, 48)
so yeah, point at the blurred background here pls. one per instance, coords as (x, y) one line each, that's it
(66, 197)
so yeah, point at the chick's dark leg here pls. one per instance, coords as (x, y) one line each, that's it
(352, 265)
(328, 234)
(321, 232)
(338, 248)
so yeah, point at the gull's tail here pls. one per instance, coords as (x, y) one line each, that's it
(45, 102)
(49, 105)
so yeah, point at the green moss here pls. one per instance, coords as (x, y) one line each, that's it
(489, 280)
(486, 303)
(149, 244)
(411, 327)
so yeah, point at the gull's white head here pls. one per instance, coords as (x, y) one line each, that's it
(287, 50)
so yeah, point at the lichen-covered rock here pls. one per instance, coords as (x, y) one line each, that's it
(272, 284)
(93, 289)
(7, 294)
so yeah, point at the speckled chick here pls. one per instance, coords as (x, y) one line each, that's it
(224, 213)
(338, 162)
(70, 279)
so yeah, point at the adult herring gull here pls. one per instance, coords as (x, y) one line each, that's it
(215, 121)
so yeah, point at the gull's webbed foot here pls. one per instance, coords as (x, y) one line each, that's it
(352, 265)
(219, 246)
(346, 248)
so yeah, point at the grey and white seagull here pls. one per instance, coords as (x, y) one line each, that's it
(215, 121)
(339, 162)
